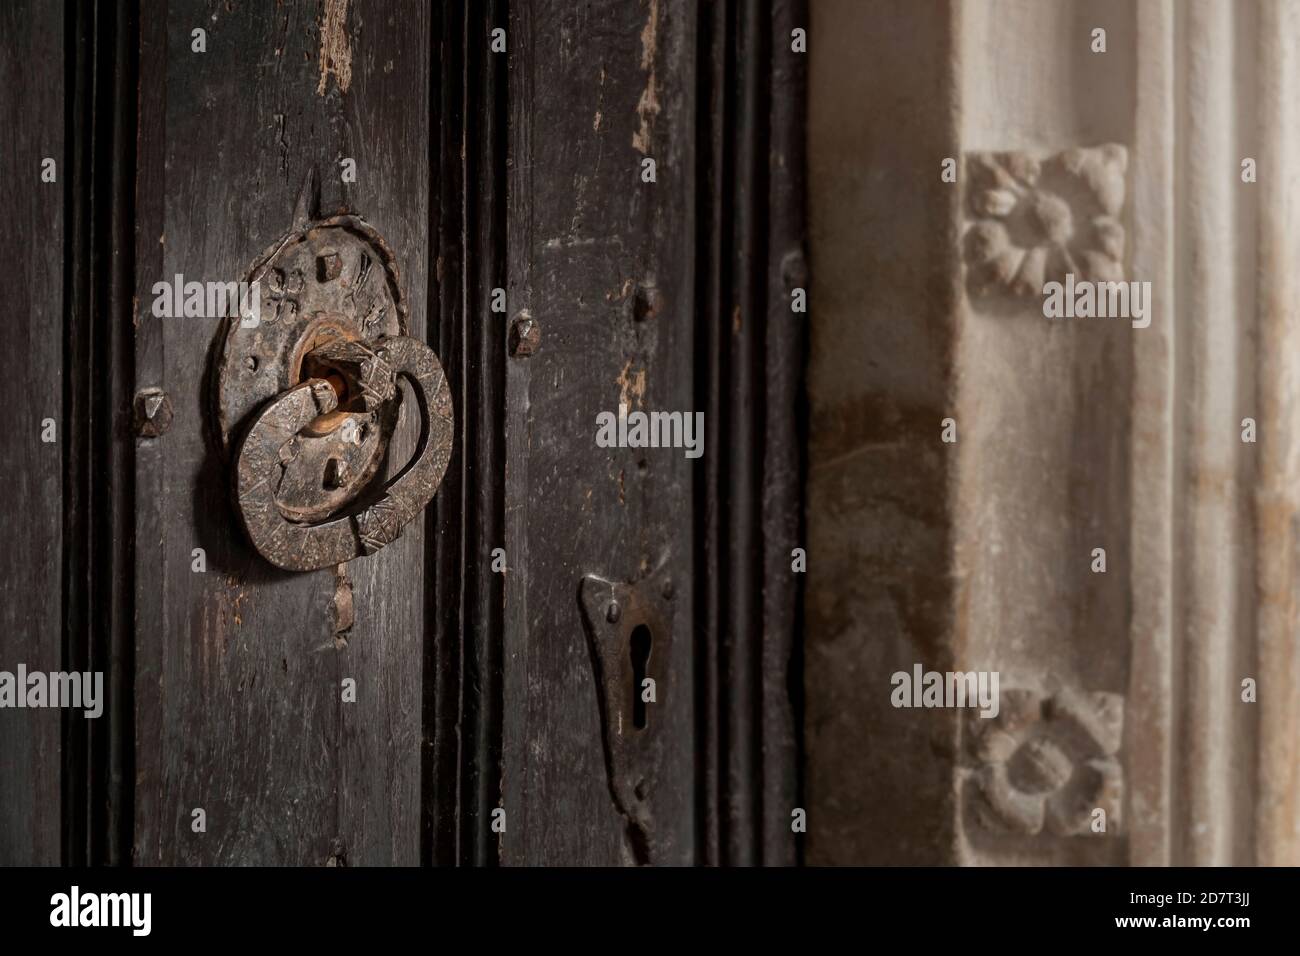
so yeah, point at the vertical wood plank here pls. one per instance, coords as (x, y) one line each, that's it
(32, 113)
(714, 114)
(784, 436)
(594, 90)
(482, 358)
(238, 698)
(240, 126)
(750, 355)
(740, 382)
(108, 134)
(386, 129)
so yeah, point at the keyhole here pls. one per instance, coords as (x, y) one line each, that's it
(640, 650)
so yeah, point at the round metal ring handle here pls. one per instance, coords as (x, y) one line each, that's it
(298, 546)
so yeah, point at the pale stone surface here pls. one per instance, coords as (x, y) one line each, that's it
(1121, 690)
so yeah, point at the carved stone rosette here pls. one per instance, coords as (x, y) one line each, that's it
(1032, 220)
(1046, 763)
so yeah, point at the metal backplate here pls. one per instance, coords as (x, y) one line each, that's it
(618, 618)
(327, 280)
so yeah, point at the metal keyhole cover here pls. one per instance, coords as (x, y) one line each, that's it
(307, 398)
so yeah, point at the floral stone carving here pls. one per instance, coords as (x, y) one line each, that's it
(1032, 221)
(1046, 762)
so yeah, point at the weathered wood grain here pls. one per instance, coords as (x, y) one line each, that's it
(238, 697)
(31, 111)
(785, 424)
(594, 90)
(103, 137)
(750, 355)
(475, 689)
(386, 129)
(464, 600)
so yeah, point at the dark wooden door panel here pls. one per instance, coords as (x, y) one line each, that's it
(593, 95)
(486, 722)
(35, 392)
(238, 674)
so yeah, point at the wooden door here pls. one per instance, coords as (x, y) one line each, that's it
(494, 146)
